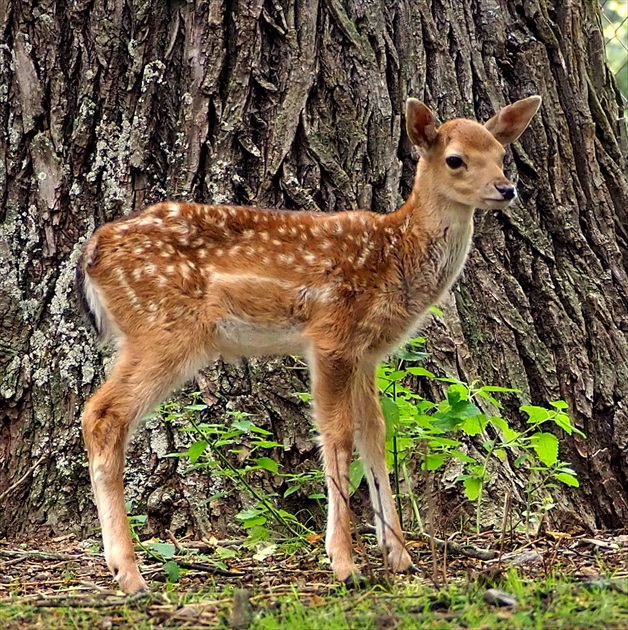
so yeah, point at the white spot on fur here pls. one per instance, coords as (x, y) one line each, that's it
(286, 259)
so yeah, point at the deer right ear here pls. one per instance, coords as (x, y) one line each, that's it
(421, 124)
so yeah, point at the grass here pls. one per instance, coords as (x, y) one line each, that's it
(565, 588)
(552, 602)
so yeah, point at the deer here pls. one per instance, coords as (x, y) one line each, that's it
(180, 285)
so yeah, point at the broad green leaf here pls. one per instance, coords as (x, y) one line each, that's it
(253, 522)
(196, 450)
(225, 553)
(290, 490)
(173, 571)
(500, 453)
(408, 354)
(490, 399)
(442, 441)
(165, 550)
(456, 393)
(397, 375)
(545, 446)
(419, 371)
(244, 426)
(472, 488)
(474, 425)
(391, 414)
(568, 479)
(196, 407)
(509, 434)
(248, 513)
(465, 409)
(559, 404)
(267, 464)
(433, 461)
(446, 422)
(356, 474)
(536, 415)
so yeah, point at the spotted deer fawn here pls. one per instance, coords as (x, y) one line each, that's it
(180, 285)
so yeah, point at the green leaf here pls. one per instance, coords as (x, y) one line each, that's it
(456, 393)
(433, 461)
(224, 553)
(500, 453)
(536, 415)
(419, 371)
(564, 422)
(173, 571)
(244, 426)
(568, 479)
(509, 434)
(545, 446)
(249, 513)
(465, 409)
(474, 425)
(446, 422)
(442, 441)
(391, 414)
(165, 550)
(253, 522)
(408, 354)
(559, 404)
(356, 474)
(472, 487)
(267, 464)
(196, 450)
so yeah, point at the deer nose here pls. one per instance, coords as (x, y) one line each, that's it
(507, 192)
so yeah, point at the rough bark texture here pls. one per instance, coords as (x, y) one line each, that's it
(106, 106)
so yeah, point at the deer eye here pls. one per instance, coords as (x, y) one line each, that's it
(453, 161)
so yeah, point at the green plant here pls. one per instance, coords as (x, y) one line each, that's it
(436, 429)
(210, 451)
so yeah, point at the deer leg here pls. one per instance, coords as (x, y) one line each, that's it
(332, 403)
(137, 383)
(371, 444)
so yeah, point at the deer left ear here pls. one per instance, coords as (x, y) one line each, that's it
(511, 121)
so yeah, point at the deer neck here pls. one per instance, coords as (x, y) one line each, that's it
(438, 231)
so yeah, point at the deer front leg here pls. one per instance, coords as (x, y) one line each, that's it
(332, 381)
(371, 443)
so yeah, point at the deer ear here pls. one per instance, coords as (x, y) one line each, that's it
(511, 121)
(421, 124)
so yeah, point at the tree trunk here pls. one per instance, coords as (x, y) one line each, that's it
(106, 107)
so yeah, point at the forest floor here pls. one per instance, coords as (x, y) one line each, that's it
(554, 581)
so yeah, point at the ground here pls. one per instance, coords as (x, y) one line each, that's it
(558, 580)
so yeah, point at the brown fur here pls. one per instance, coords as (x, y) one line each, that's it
(181, 284)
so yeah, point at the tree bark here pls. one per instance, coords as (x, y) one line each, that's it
(108, 106)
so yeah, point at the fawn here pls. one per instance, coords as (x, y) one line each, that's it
(180, 284)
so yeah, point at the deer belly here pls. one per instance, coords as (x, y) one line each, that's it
(237, 337)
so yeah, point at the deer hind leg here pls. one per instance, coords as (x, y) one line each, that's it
(137, 383)
(371, 444)
(332, 403)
